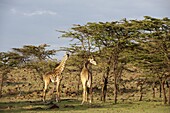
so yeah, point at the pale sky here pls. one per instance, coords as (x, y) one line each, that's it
(33, 22)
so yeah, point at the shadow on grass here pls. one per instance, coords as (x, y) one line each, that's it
(64, 105)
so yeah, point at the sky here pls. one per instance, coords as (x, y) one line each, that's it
(34, 22)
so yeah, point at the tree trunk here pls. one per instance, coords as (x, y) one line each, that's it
(169, 97)
(104, 88)
(164, 92)
(1, 83)
(115, 89)
(78, 85)
(115, 73)
(3, 72)
(141, 93)
(105, 82)
(160, 90)
(153, 90)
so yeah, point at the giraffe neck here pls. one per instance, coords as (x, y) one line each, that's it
(60, 68)
(86, 64)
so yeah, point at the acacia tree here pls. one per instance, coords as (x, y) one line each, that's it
(116, 37)
(34, 57)
(37, 57)
(155, 41)
(142, 42)
(119, 38)
(7, 62)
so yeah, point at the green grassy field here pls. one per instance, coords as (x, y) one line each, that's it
(74, 105)
(22, 92)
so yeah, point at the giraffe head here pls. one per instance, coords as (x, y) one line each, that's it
(67, 55)
(92, 61)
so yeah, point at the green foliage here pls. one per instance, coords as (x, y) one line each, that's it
(156, 45)
(31, 52)
(10, 59)
(143, 43)
(34, 57)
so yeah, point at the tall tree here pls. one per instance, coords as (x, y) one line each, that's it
(155, 40)
(115, 36)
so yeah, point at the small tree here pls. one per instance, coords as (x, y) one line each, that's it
(8, 60)
(37, 57)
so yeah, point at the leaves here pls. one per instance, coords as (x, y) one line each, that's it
(34, 57)
(146, 43)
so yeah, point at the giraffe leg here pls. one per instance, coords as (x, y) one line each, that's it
(53, 90)
(54, 85)
(58, 92)
(90, 90)
(91, 94)
(46, 83)
(84, 93)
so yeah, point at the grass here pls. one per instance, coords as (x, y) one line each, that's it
(74, 105)
(27, 99)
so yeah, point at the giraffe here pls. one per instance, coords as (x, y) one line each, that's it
(86, 79)
(55, 77)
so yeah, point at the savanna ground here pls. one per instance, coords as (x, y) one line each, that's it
(22, 92)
